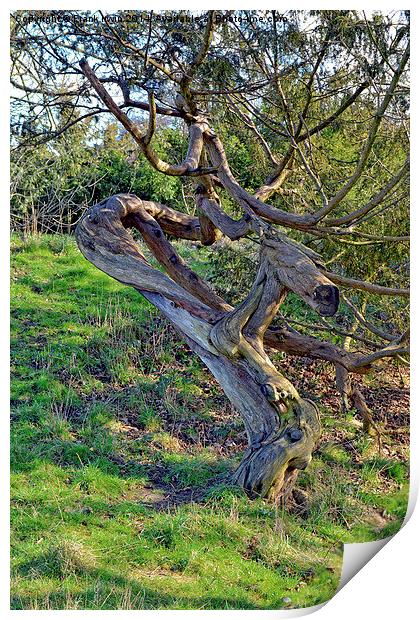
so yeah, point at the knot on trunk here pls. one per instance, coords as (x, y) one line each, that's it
(279, 395)
(226, 335)
(270, 467)
(327, 299)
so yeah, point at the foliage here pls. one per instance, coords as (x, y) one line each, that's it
(53, 184)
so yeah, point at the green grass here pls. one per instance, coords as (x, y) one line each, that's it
(122, 448)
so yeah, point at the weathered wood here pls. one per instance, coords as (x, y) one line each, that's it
(279, 445)
(295, 270)
(234, 229)
(175, 223)
(166, 254)
(282, 428)
(293, 343)
(105, 242)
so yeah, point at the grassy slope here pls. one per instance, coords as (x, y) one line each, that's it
(121, 450)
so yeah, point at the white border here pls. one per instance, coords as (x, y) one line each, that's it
(387, 587)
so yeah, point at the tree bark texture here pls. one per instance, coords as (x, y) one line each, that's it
(282, 428)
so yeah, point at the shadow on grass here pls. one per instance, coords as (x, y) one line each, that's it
(43, 348)
(112, 592)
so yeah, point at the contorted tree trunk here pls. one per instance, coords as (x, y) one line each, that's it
(282, 427)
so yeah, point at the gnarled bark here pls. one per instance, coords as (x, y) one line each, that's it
(282, 427)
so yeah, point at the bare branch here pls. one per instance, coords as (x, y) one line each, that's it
(367, 286)
(187, 168)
